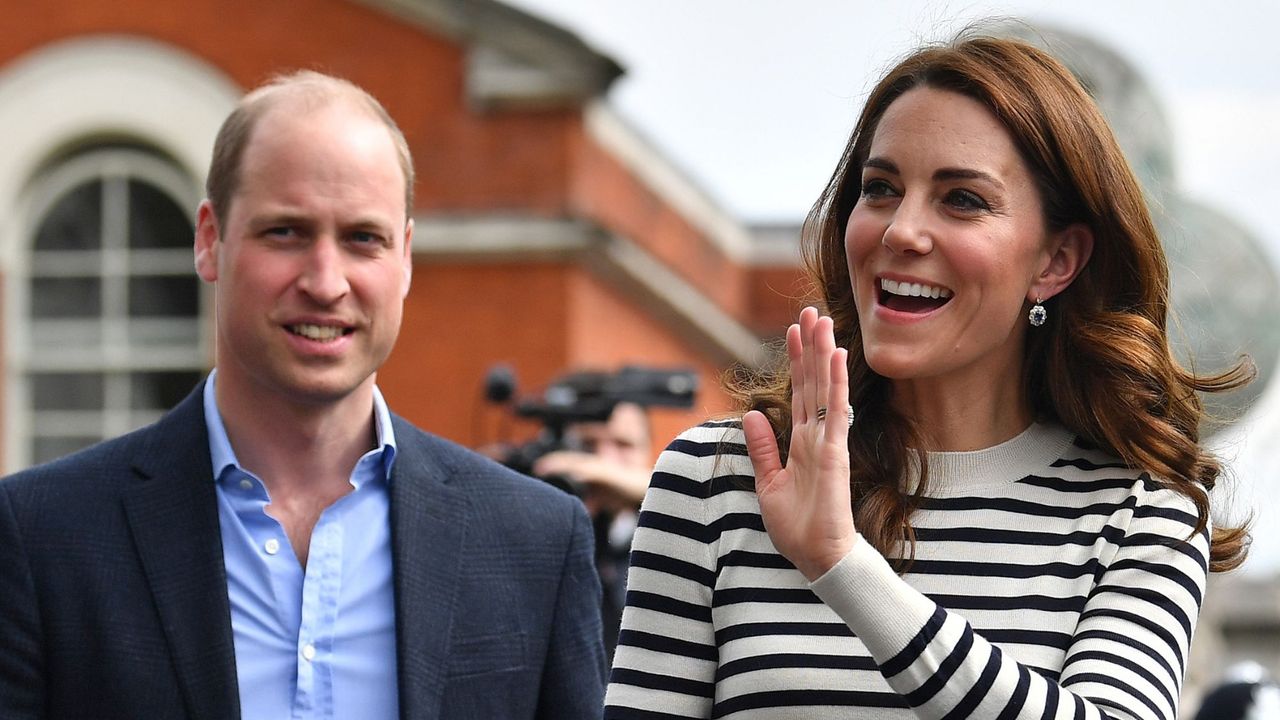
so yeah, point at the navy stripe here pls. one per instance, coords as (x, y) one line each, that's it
(1149, 511)
(1084, 464)
(678, 484)
(1018, 700)
(1028, 508)
(764, 629)
(668, 645)
(1168, 572)
(1112, 682)
(1129, 665)
(1185, 547)
(945, 671)
(746, 559)
(1077, 486)
(706, 449)
(1045, 638)
(668, 605)
(908, 654)
(965, 707)
(672, 566)
(989, 535)
(1014, 602)
(675, 525)
(1127, 641)
(737, 521)
(796, 660)
(1050, 702)
(732, 596)
(807, 698)
(1150, 597)
(669, 683)
(1004, 570)
(617, 712)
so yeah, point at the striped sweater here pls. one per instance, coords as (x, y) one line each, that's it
(1050, 581)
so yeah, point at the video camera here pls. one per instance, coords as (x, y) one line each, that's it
(583, 396)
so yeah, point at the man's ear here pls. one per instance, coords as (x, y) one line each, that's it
(1069, 251)
(207, 242)
(408, 258)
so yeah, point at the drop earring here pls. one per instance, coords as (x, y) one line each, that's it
(1038, 314)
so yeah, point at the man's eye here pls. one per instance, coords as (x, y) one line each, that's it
(966, 200)
(281, 231)
(366, 238)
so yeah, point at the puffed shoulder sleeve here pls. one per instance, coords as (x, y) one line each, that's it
(665, 662)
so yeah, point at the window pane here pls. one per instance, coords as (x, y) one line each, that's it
(74, 222)
(66, 297)
(164, 296)
(160, 390)
(156, 221)
(66, 391)
(44, 449)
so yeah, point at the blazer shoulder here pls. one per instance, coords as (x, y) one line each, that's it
(177, 439)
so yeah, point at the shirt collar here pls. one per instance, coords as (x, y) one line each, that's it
(223, 456)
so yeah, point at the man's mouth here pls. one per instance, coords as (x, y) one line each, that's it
(912, 297)
(318, 333)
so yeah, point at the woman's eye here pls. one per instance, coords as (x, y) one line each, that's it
(966, 200)
(876, 188)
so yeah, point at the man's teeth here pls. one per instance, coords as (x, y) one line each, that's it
(894, 287)
(317, 332)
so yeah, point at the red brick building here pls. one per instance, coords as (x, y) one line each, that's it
(549, 235)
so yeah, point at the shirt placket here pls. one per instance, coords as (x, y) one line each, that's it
(321, 586)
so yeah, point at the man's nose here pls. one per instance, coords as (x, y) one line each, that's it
(909, 230)
(324, 272)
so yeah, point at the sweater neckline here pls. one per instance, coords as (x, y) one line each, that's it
(1026, 453)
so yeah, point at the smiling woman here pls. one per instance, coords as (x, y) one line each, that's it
(1016, 524)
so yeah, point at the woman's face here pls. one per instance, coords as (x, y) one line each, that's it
(945, 243)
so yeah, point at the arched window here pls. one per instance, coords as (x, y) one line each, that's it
(113, 307)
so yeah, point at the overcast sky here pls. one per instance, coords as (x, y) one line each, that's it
(754, 100)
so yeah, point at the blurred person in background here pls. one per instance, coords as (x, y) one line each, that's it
(610, 466)
(975, 487)
(1246, 692)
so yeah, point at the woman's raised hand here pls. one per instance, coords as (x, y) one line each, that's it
(806, 504)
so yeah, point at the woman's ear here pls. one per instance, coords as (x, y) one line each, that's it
(1069, 251)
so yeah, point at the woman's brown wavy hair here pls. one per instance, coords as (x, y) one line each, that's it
(1101, 365)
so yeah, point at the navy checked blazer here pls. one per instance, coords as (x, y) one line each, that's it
(113, 596)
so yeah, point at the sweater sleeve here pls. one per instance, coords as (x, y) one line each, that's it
(1126, 659)
(665, 663)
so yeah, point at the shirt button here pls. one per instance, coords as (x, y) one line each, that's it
(272, 546)
(308, 652)
(246, 484)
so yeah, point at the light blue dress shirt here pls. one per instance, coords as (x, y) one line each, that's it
(320, 642)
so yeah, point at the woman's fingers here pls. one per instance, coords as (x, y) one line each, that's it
(837, 422)
(809, 361)
(795, 354)
(762, 448)
(824, 344)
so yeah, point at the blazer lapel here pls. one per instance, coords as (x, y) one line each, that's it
(173, 514)
(428, 524)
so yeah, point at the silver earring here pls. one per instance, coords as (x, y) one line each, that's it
(1038, 314)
